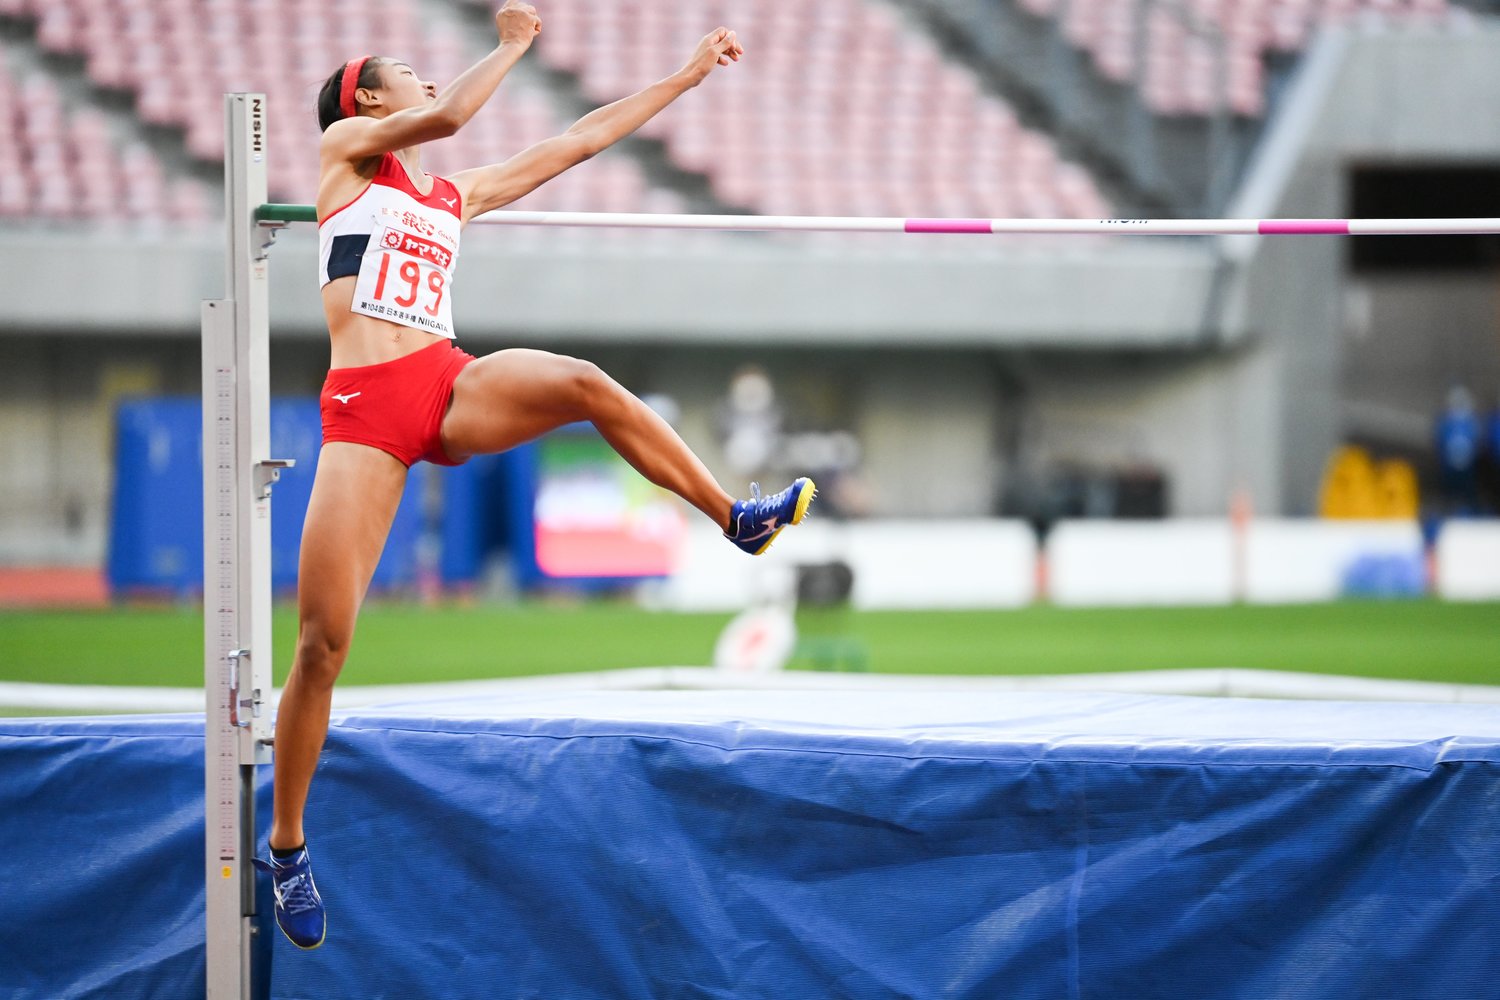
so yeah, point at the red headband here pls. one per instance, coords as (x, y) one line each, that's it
(352, 69)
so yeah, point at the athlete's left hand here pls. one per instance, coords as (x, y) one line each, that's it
(719, 47)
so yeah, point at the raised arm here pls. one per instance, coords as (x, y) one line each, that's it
(487, 188)
(365, 136)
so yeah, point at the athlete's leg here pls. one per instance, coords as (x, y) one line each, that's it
(514, 396)
(354, 500)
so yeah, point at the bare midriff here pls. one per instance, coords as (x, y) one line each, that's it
(365, 340)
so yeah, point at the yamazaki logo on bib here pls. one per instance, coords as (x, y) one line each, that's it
(403, 278)
(416, 247)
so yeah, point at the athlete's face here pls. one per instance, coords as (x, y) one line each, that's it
(401, 89)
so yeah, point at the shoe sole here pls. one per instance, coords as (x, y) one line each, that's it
(804, 501)
(303, 947)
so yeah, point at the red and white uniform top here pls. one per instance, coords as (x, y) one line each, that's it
(402, 244)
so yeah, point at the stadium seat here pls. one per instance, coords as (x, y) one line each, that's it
(64, 163)
(1188, 47)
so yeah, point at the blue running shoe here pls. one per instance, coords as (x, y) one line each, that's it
(299, 908)
(755, 523)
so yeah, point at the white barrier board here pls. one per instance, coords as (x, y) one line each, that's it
(1141, 562)
(1297, 561)
(1468, 561)
(896, 564)
(991, 563)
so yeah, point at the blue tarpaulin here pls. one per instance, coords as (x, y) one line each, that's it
(756, 844)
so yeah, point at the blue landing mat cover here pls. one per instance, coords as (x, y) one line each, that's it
(733, 844)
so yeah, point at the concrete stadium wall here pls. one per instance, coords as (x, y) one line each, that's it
(1407, 339)
(1195, 416)
(1361, 95)
(664, 288)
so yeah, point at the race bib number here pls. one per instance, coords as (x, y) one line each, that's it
(404, 278)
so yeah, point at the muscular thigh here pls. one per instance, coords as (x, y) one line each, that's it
(511, 397)
(354, 500)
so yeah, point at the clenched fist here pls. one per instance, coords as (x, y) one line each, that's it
(517, 23)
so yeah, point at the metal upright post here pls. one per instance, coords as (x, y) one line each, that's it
(237, 478)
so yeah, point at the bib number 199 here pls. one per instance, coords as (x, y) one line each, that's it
(408, 280)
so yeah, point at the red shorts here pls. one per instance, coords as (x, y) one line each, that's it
(397, 406)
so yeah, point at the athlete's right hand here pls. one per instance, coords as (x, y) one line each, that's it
(517, 23)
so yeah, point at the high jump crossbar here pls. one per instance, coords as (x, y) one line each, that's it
(281, 214)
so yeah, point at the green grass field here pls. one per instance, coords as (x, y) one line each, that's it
(1424, 640)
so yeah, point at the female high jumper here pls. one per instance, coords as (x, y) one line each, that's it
(400, 391)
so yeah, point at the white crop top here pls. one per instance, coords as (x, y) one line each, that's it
(402, 245)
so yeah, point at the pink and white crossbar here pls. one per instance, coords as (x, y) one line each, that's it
(1061, 227)
(281, 214)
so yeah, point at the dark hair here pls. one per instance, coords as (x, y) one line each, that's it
(328, 98)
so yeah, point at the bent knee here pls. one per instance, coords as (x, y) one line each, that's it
(321, 652)
(588, 387)
(587, 378)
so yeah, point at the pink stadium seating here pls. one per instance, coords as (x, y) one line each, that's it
(68, 166)
(892, 130)
(1180, 55)
(179, 57)
(888, 128)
